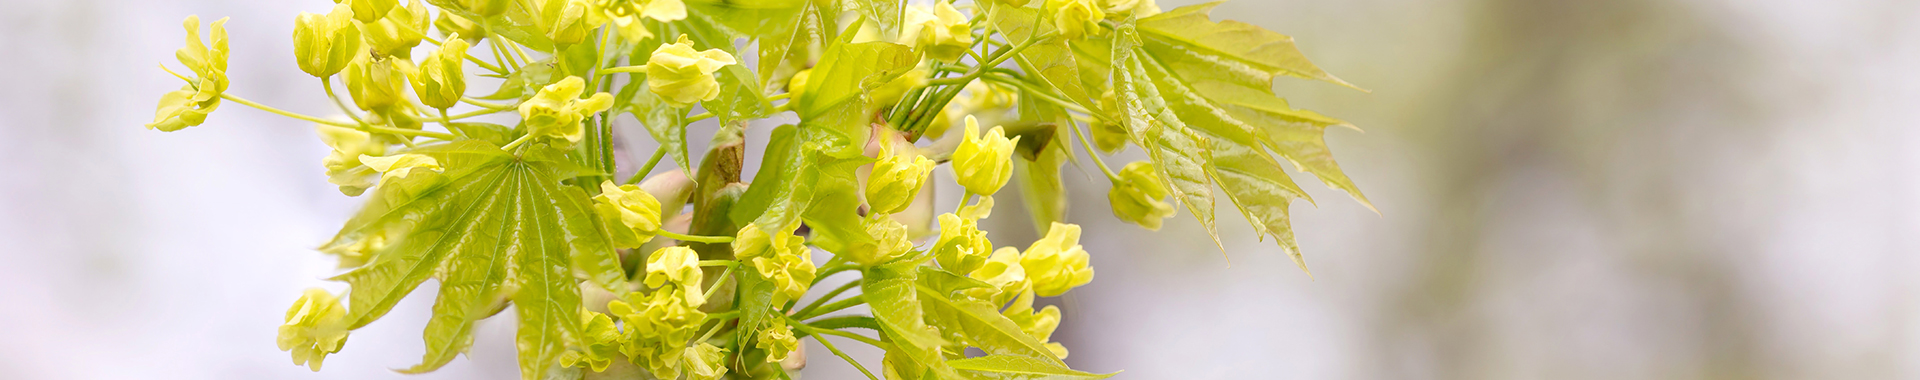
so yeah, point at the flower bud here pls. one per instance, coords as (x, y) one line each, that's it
(399, 166)
(677, 264)
(631, 215)
(316, 325)
(324, 44)
(1075, 18)
(983, 164)
(377, 83)
(1136, 8)
(1136, 196)
(682, 76)
(343, 165)
(370, 10)
(1056, 262)
(578, 19)
(398, 31)
(890, 242)
(895, 181)
(962, 246)
(943, 33)
(190, 105)
(556, 111)
(441, 81)
(1003, 271)
(797, 84)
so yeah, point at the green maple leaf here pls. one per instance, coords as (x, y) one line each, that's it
(492, 228)
(1196, 95)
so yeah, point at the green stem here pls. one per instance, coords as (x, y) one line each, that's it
(648, 168)
(1091, 152)
(702, 239)
(481, 104)
(719, 263)
(716, 285)
(516, 142)
(833, 307)
(327, 83)
(843, 356)
(824, 298)
(286, 113)
(624, 69)
(817, 331)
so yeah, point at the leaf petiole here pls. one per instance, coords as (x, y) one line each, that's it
(702, 239)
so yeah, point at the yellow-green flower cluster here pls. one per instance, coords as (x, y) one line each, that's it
(190, 105)
(626, 15)
(941, 31)
(441, 79)
(1136, 197)
(557, 110)
(779, 257)
(316, 325)
(984, 164)
(343, 164)
(631, 215)
(1057, 263)
(391, 29)
(682, 75)
(599, 344)
(1003, 271)
(660, 324)
(962, 246)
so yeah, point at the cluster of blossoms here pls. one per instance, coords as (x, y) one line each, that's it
(712, 274)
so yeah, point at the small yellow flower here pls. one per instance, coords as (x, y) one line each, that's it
(578, 19)
(1137, 196)
(556, 111)
(1039, 325)
(632, 215)
(599, 344)
(378, 83)
(441, 81)
(1076, 18)
(1057, 263)
(682, 75)
(657, 327)
(705, 361)
(984, 164)
(895, 181)
(798, 83)
(890, 242)
(399, 166)
(1136, 8)
(626, 16)
(962, 246)
(942, 32)
(1004, 272)
(324, 44)
(782, 258)
(343, 164)
(370, 10)
(777, 340)
(316, 325)
(190, 105)
(397, 31)
(678, 265)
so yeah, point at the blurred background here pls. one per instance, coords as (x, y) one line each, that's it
(1568, 189)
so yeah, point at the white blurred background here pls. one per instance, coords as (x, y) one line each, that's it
(1569, 189)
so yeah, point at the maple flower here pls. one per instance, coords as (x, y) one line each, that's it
(942, 32)
(781, 258)
(1003, 271)
(962, 246)
(626, 16)
(677, 264)
(600, 342)
(682, 76)
(632, 215)
(1056, 262)
(777, 340)
(984, 164)
(895, 181)
(658, 326)
(316, 325)
(1039, 325)
(397, 30)
(556, 111)
(705, 361)
(578, 19)
(1076, 18)
(441, 79)
(190, 105)
(324, 44)
(377, 83)
(343, 164)
(1137, 196)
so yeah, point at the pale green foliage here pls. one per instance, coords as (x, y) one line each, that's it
(699, 274)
